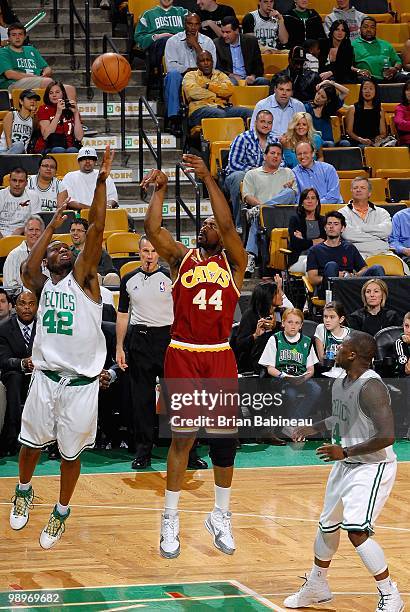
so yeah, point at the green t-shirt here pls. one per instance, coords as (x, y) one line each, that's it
(291, 357)
(304, 15)
(159, 21)
(372, 55)
(29, 61)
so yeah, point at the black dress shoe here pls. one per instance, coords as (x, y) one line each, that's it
(196, 463)
(140, 463)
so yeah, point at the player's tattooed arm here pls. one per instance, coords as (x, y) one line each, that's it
(168, 248)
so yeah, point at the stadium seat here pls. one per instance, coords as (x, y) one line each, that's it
(4, 103)
(336, 128)
(391, 92)
(123, 244)
(353, 94)
(399, 189)
(242, 7)
(388, 162)
(215, 149)
(8, 243)
(249, 96)
(221, 129)
(66, 162)
(15, 95)
(394, 33)
(402, 10)
(274, 62)
(278, 240)
(378, 194)
(115, 221)
(137, 7)
(315, 304)
(63, 238)
(392, 264)
(348, 161)
(129, 267)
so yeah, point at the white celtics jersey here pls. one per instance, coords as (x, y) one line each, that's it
(47, 196)
(69, 339)
(266, 30)
(21, 130)
(351, 426)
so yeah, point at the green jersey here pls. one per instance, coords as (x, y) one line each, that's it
(159, 21)
(291, 357)
(29, 61)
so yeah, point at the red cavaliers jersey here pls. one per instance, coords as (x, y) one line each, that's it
(205, 297)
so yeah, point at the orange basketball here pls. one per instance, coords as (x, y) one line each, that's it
(111, 72)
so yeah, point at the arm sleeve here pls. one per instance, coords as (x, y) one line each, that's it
(111, 190)
(142, 35)
(333, 187)
(381, 226)
(400, 120)
(358, 261)
(268, 357)
(395, 237)
(311, 262)
(222, 87)
(320, 333)
(124, 300)
(172, 61)
(248, 24)
(248, 187)
(4, 61)
(297, 244)
(40, 61)
(312, 357)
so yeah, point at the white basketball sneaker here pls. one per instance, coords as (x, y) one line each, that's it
(219, 525)
(169, 545)
(22, 503)
(311, 592)
(54, 529)
(390, 602)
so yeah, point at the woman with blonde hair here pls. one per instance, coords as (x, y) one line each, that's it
(300, 129)
(374, 316)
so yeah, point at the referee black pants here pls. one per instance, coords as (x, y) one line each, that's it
(146, 354)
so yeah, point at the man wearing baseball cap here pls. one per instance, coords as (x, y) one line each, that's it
(80, 184)
(304, 80)
(18, 124)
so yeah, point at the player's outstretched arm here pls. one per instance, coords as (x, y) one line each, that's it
(31, 274)
(85, 267)
(230, 238)
(168, 248)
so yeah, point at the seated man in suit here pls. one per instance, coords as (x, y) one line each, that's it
(16, 343)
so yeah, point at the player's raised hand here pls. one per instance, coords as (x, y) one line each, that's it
(106, 164)
(197, 165)
(59, 215)
(330, 452)
(154, 177)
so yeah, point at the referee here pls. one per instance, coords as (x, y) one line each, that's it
(146, 304)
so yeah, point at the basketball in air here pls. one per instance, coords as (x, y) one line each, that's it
(111, 72)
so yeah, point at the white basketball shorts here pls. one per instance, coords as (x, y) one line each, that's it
(57, 411)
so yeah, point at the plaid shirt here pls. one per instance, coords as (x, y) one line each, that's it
(245, 152)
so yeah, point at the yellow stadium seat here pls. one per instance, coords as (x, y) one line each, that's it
(249, 96)
(274, 62)
(63, 238)
(388, 162)
(402, 9)
(278, 240)
(214, 154)
(116, 220)
(6, 180)
(137, 7)
(129, 267)
(66, 162)
(389, 107)
(15, 94)
(353, 94)
(392, 264)
(242, 7)
(394, 33)
(325, 208)
(336, 127)
(123, 244)
(8, 243)
(324, 7)
(378, 195)
(314, 302)
(222, 129)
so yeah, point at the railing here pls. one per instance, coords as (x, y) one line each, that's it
(143, 137)
(108, 41)
(181, 204)
(85, 26)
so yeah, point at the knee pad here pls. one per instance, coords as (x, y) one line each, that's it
(222, 451)
(326, 545)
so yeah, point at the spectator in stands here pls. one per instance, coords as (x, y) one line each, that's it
(6, 18)
(78, 231)
(208, 92)
(268, 25)
(368, 227)
(238, 55)
(181, 53)
(402, 116)
(45, 183)
(303, 79)
(399, 239)
(300, 129)
(5, 307)
(374, 57)
(212, 14)
(320, 175)
(17, 203)
(302, 22)
(18, 124)
(365, 121)
(329, 335)
(268, 185)
(33, 228)
(312, 50)
(16, 343)
(343, 12)
(154, 28)
(306, 228)
(246, 152)
(402, 350)
(79, 185)
(336, 57)
(336, 257)
(373, 316)
(327, 101)
(281, 105)
(59, 121)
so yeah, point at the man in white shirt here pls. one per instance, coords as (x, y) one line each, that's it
(33, 228)
(80, 184)
(46, 184)
(181, 53)
(17, 203)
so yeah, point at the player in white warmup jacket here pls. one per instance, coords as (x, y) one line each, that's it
(68, 355)
(362, 478)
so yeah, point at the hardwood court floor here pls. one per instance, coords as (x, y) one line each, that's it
(112, 537)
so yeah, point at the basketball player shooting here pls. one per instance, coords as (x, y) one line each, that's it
(68, 355)
(199, 348)
(362, 478)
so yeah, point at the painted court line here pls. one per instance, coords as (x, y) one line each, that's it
(256, 596)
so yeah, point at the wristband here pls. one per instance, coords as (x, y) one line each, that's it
(345, 452)
(281, 375)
